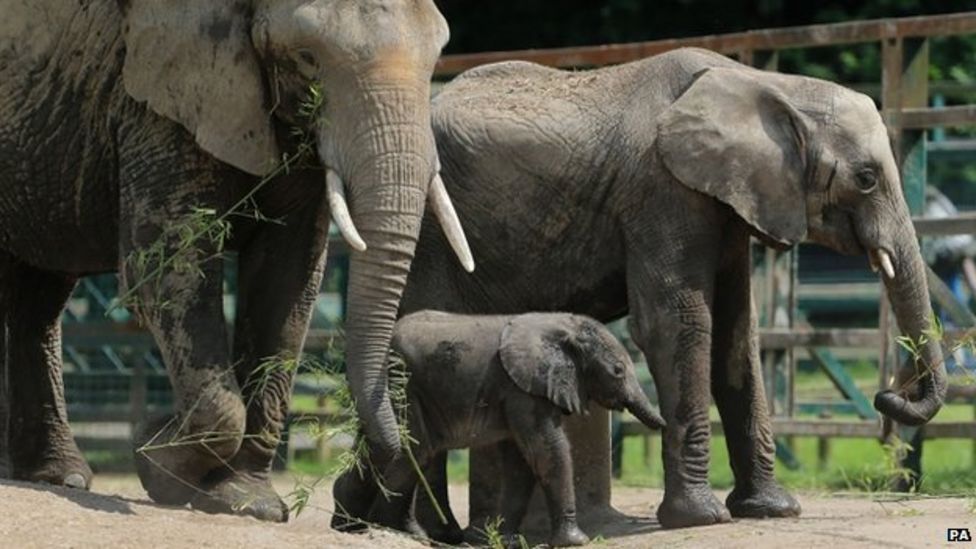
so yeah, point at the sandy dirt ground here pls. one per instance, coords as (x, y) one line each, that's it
(118, 514)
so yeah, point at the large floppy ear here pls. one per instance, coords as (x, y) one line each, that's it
(536, 352)
(192, 61)
(734, 136)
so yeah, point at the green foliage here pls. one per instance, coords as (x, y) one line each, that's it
(494, 539)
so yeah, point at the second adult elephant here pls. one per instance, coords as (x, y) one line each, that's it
(636, 189)
(125, 126)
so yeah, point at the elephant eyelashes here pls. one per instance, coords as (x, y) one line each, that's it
(866, 180)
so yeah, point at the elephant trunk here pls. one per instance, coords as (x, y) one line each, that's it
(642, 409)
(922, 375)
(387, 168)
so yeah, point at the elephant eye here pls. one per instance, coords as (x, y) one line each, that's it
(866, 180)
(307, 58)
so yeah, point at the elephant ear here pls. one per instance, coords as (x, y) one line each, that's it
(193, 62)
(734, 136)
(536, 352)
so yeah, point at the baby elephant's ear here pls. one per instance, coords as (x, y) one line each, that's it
(535, 352)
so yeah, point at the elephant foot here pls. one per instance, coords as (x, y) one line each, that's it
(767, 500)
(568, 535)
(346, 524)
(696, 506)
(450, 534)
(352, 497)
(172, 464)
(227, 492)
(69, 470)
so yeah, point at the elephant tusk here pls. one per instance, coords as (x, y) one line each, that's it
(340, 211)
(444, 210)
(886, 265)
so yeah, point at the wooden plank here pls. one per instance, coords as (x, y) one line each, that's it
(782, 338)
(829, 428)
(964, 223)
(104, 444)
(813, 408)
(322, 339)
(112, 413)
(844, 383)
(96, 334)
(733, 43)
(924, 117)
(959, 313)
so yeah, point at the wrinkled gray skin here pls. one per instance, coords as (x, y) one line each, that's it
(117, 119)
(476, 380)
(635, 189)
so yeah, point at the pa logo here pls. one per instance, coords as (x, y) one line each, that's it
(958, 534)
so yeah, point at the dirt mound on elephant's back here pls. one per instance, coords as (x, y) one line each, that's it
(33, 515)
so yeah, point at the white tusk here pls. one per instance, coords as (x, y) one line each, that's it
(340, 211)
(873, 261)
(448, 218)
(886, 265)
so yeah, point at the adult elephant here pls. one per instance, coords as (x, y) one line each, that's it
(121, 122)
(636, 189)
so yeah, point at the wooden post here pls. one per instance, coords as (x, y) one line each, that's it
(322, 448)
(823, 444)
(138, 394)
(904, 84)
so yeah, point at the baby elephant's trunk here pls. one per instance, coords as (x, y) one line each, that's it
(641, 408)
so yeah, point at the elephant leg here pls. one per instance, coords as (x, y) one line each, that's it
(484, 491)
(353, 495)
(176, 290)
(280, 272)
(671, 323)
(436, 475)
(41, 447)
(517, 488)
(538, 433)
(395, 507)
(737, 387)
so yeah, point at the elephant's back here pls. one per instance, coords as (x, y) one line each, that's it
(60, 98)
(447, 342)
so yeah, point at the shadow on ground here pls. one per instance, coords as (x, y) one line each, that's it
(82, 498)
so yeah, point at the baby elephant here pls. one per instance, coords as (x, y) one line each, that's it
(476, 380)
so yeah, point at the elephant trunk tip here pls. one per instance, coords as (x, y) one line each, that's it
(906, 412)
(648, 415)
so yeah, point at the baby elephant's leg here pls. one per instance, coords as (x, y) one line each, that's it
(517, 487)
(353, 494)
(537, 429)
(449, 532)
